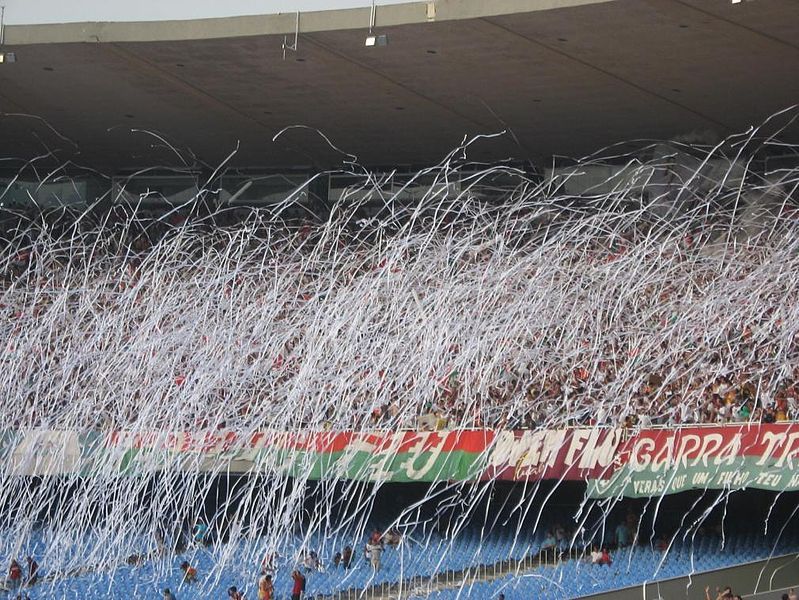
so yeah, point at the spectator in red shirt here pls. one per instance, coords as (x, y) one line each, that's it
(299, 585)
(189, 572)
(606, 559)
(15, 575)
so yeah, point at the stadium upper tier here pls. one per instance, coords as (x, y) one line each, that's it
(532, 310)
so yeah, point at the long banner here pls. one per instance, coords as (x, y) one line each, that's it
(612, 462)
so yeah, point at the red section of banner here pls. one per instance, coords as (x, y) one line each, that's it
(580, 454)
(566, 454)
(473, 441)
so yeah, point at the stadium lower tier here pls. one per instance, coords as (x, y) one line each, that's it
(511, 540)
(567, 578)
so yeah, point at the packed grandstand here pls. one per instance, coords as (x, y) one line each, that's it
(453, 397)
(648, 310)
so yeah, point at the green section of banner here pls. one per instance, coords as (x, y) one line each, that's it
(740, 473)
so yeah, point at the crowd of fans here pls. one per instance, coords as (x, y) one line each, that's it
(731, 398)
(231, 330)
(664, 306)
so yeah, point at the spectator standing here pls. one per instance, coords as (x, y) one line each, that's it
(298, 587)
(33, 570)
(374, 551)
(189, 572)
(622, 535)
(168, 595)
(346, 557)
(200, 533)
(606, 558)
(234, 594)
(265, 587)
(14, 575)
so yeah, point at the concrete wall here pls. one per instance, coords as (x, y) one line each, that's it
(767, 578)
(150, 22)
(27, 12)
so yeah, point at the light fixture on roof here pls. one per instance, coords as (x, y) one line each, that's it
(377, 40)
(372, 39)
(7, 57)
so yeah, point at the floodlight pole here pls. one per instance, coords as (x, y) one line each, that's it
(2, 24)
(372, 17)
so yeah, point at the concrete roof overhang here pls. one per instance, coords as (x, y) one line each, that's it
(563, 76)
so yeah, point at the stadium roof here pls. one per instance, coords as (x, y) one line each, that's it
(564, 76)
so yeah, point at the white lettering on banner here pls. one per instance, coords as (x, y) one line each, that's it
(355, 446)
(380, 469)
(532, 447)
(769, 479)
(725, 478)
(538, 450)
(506, 450)
(710, 443)
(773, 440)
(577, 442)
(590, 457)
(544, 451)
(606, 453)
(417, 450)
(649, 486)
(789, 451)
(646, 455)
(730, 452)
(639, 462)
(688, 444)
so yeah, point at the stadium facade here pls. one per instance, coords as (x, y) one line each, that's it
(564, 77)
